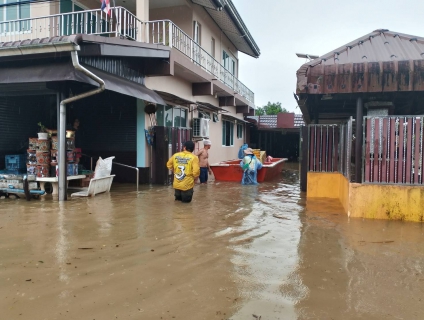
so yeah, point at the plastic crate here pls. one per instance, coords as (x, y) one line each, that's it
(23, 171)
(16, 162)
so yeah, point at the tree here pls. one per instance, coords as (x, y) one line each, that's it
(274, 108)
(270, 109)
(259, 111)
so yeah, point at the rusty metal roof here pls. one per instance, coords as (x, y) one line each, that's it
(270, 121)
(379, 45)
(381, 61)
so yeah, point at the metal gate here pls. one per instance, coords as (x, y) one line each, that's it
(393, 150)
(330, 148)
(167, 141)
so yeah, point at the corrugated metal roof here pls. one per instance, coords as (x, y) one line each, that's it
(379, 61)
(270, 121)
(379, 45)
(230, 22)
(35, 42)
(298, 120)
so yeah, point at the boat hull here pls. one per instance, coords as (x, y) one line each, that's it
(231, 171)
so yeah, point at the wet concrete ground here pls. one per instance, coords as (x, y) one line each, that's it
(233, 253)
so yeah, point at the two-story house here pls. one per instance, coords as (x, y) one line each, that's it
(180, 55)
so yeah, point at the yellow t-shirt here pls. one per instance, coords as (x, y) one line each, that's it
(186, 169)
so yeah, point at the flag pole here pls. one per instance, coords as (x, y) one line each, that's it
(116, 17)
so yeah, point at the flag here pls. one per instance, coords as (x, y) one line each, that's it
(106, 7)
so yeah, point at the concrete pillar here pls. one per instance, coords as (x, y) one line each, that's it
(142, 10)
(141, 138)
(62, 152)
(358, 145)
(142, 13)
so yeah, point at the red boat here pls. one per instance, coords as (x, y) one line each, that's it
(231, 171)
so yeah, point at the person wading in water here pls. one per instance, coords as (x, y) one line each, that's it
(185, 166)
(203, 155)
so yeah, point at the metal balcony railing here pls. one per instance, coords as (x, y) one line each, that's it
(165, 32)
(122, 23)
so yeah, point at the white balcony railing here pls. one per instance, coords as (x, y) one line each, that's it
(167, 33)
(121, 23)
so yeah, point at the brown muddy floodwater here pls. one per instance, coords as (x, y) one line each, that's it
(235, 252)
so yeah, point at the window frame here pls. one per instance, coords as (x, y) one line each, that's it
(18, 6)
(240, 130)
(229, 62)
(213, 44)
(230, 125)
(171, 111)
(197, 32)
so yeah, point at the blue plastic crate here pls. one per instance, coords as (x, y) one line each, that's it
(16, 162)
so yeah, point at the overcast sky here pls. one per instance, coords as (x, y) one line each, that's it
(283, 27)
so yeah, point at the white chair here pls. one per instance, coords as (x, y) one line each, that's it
(97, 185)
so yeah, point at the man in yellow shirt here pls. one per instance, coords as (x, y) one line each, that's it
(185, 166)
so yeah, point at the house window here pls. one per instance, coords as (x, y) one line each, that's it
(228, 62)
(239, 131)
(180, 117)
(196, 32)
(227, 133)
(170, 116)
(14, 10)
(213, 47)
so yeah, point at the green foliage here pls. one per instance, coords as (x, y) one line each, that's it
(42, 127)
(274, 108)
(270, 109)
(259, 111)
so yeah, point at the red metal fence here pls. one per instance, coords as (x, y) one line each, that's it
(393, 150)
(330, 148)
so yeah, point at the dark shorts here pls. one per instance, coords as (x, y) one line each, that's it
(203, 175)
(184, 196)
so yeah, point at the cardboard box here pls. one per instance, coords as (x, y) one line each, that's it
(32, 185)
(72, 169)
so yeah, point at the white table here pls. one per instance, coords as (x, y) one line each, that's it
(55, 182)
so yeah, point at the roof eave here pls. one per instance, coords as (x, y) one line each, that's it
(235, 16)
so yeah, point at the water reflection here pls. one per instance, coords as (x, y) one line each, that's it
(266, 253)
(62, 244)
(234, 252)
(359, 269)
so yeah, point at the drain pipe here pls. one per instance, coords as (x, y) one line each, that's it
(62, 121)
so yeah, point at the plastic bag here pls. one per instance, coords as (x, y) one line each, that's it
(241, 151)
(150, 136)
(103, 167)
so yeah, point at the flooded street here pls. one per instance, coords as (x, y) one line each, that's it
(233, 253)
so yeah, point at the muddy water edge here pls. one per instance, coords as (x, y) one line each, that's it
(233, 253)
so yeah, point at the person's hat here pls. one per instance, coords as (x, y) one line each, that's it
(248, 151)
(207, 142)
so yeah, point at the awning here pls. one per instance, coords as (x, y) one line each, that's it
(231, 118)
(208, 106)
(65, 71)
(174, 99)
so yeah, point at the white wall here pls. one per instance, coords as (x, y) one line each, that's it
(210, 29)
(183, 89)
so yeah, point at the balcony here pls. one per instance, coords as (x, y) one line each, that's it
(122, 24)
